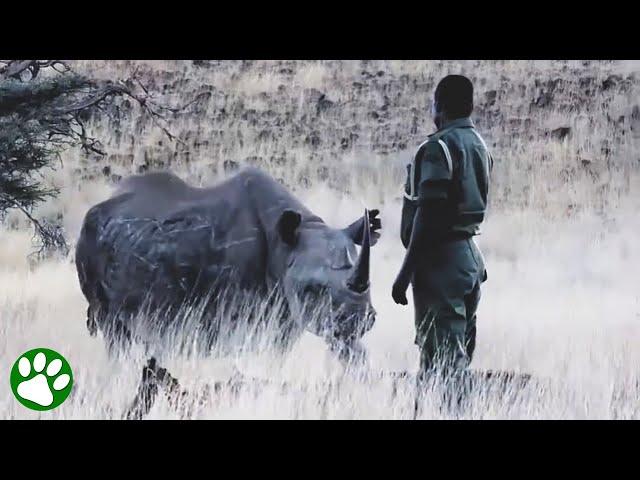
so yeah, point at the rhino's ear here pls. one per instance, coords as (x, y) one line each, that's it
(288, 226)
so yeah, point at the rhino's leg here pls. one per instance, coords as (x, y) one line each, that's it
(351, 353)
(119, 339)
(92, 321)
(117, 335)
(98, 309)
(289, 333)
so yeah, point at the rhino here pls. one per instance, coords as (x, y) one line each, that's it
(159, 241)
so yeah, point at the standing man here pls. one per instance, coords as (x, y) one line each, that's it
(444, 205)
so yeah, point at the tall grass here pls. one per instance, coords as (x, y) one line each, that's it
(561, 302)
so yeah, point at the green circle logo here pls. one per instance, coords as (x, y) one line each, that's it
(41, 379)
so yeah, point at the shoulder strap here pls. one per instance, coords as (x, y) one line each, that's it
(412, 195)
(447, 154)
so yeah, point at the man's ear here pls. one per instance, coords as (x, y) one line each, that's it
(288, 226)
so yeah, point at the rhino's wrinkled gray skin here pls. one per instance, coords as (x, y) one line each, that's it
(159, 240)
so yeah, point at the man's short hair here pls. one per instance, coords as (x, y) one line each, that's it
(454, 95)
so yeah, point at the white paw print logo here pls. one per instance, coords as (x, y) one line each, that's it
(41, 379)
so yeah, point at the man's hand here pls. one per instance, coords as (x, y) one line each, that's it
(399, 291)
(375, 223)
(355, 230)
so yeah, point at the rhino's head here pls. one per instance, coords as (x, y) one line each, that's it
(326, 279)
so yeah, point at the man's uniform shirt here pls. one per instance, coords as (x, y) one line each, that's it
(453, 165)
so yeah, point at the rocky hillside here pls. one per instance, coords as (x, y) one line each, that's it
(565, 135)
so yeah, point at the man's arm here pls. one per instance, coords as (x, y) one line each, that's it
(430, 218)
(428, 223)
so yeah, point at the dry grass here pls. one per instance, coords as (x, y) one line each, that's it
(561, 302)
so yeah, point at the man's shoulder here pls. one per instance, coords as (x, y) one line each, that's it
(437, 136)
(445, 139)
(455, 136)
(460, 139)
(456, 130)
(430, 147)
(453, 133)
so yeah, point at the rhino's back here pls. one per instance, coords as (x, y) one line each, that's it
(159, 238)
(154, 195)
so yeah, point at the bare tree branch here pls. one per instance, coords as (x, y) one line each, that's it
(51, 237)
(40, 116)
(15, 68)
(94, 99)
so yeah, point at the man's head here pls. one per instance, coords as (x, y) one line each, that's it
(453, 99)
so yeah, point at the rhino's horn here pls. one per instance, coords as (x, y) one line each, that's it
(359, 279)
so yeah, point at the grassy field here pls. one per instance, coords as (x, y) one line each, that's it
(561, 302)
